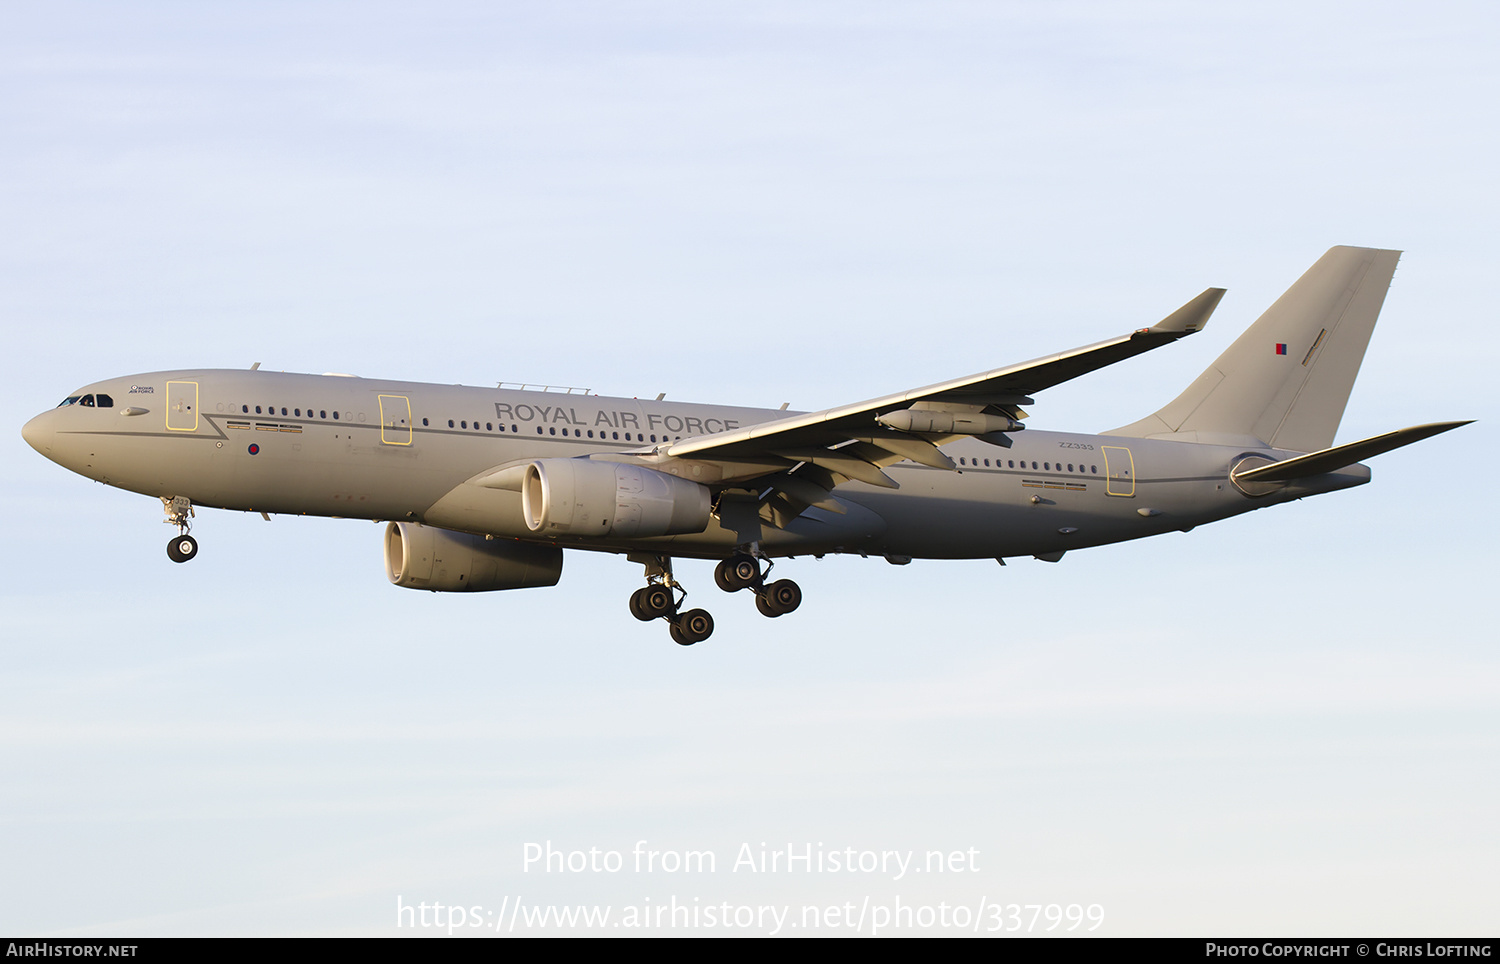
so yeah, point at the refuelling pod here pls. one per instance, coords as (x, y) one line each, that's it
(924, 421)
(576, 497)
(422, 557)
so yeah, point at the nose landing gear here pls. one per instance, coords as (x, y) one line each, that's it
(179, 510)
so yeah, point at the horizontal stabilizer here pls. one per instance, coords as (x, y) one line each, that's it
(1330, 460)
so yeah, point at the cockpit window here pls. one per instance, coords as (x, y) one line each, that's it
(91, 401)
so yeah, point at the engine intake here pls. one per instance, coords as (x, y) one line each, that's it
(576, 497)
(422, 557)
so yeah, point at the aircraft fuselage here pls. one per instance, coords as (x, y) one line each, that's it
(403, 451)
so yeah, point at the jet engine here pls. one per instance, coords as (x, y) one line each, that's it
(577, 497)
(422, 557)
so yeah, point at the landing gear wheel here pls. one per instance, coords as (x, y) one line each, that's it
(657, 600)
(780, 598)
(737, 572)
(636, 609)
(693, 626)
(651, 602)
(182, 548)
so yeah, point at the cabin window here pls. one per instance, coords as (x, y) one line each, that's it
(322, 414)
(450, 423)
(424, 423)
(335, 416)
(257, 409)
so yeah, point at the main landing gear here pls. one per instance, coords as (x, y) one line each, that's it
(182, 546)
(742, 571)
(661, 598)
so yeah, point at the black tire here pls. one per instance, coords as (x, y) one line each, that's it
(693, 626)
(744, 571)
(737, 572)
(764, 605)
(182, 548)
(658, 601)
(785, 596)
(637, 609)
(721, 576)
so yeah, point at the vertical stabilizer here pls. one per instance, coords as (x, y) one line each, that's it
(1286, 380)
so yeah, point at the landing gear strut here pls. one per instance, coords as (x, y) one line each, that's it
(660, 599)
(179, 510)
(742, 571)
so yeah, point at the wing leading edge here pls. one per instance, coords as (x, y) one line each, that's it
(856, 441)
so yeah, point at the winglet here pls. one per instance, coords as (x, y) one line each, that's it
(1192, 316)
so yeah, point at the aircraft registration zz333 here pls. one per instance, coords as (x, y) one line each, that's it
(483, 488)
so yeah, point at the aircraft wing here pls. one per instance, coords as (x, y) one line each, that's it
(850, 441)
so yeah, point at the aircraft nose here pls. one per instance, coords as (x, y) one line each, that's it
(38, 433)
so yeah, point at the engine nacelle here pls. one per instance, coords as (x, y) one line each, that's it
(577, 497)
(422, 557)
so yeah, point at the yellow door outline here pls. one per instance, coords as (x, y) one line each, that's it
(395, 420)
(182, 406)
(1119, 471)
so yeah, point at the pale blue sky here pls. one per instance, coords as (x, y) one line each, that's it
(1285, 723)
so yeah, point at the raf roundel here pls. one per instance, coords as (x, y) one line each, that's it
(254, 449)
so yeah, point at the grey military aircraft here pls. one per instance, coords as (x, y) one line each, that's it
(483, 488)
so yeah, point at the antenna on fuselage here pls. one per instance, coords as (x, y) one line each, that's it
(255, 367)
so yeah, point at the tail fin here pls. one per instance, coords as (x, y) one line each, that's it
(1286, 380)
